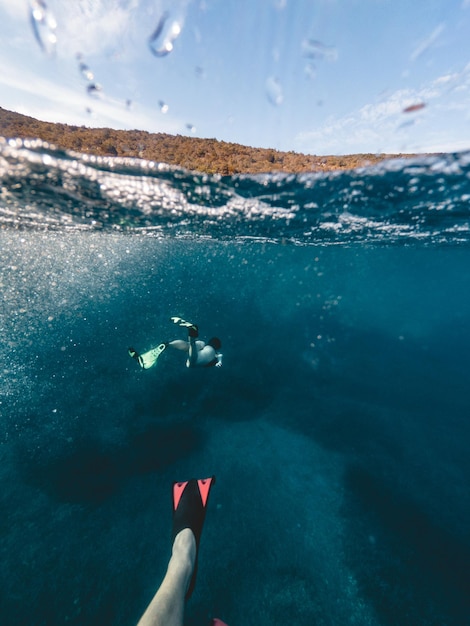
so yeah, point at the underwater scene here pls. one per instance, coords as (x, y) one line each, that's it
(337, 427)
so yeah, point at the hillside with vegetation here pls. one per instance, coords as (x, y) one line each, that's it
(205, 155)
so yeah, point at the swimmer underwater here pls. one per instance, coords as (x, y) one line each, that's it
(199, 353)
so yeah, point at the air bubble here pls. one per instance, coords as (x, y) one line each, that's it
(161, 40)
(310, 71)
(44, 25)
(318, 51)
(163, 106)
(406, 124)
(94, 90)
(274, 91)
(85, 71)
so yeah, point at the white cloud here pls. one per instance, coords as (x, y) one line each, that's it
(97, 27)
(51, 88)
(93, 27)
(14, 8)
(427, 43)
(384, 126)
(31, 94)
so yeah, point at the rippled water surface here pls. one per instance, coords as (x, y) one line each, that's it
(400, 201)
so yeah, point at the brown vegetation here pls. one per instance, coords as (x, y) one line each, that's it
(204, 155)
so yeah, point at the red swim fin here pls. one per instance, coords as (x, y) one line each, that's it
(205, 485)
(189, 511)
(178, 489)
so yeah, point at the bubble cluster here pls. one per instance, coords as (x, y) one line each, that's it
(93, 88)
(274, 91)
(315, 51)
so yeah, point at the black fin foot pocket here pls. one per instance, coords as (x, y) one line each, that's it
(189, 511)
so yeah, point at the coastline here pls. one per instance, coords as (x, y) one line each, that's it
(209, 156)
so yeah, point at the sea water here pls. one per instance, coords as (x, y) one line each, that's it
(338, 427)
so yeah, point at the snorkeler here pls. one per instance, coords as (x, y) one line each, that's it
(189, 511)
(200, 354)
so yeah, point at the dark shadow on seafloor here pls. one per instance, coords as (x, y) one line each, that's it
(91, 472)
(397, 413)
(407, 566)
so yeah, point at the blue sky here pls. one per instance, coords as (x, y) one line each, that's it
(314, 76)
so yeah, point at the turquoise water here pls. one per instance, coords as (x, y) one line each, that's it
(338, 426)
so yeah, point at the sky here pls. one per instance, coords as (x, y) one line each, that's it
(323, 77)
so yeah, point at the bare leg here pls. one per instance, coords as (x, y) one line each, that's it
(190, 346)
(179, 344)
(193, 334)
(192, 358)
(167, 605)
